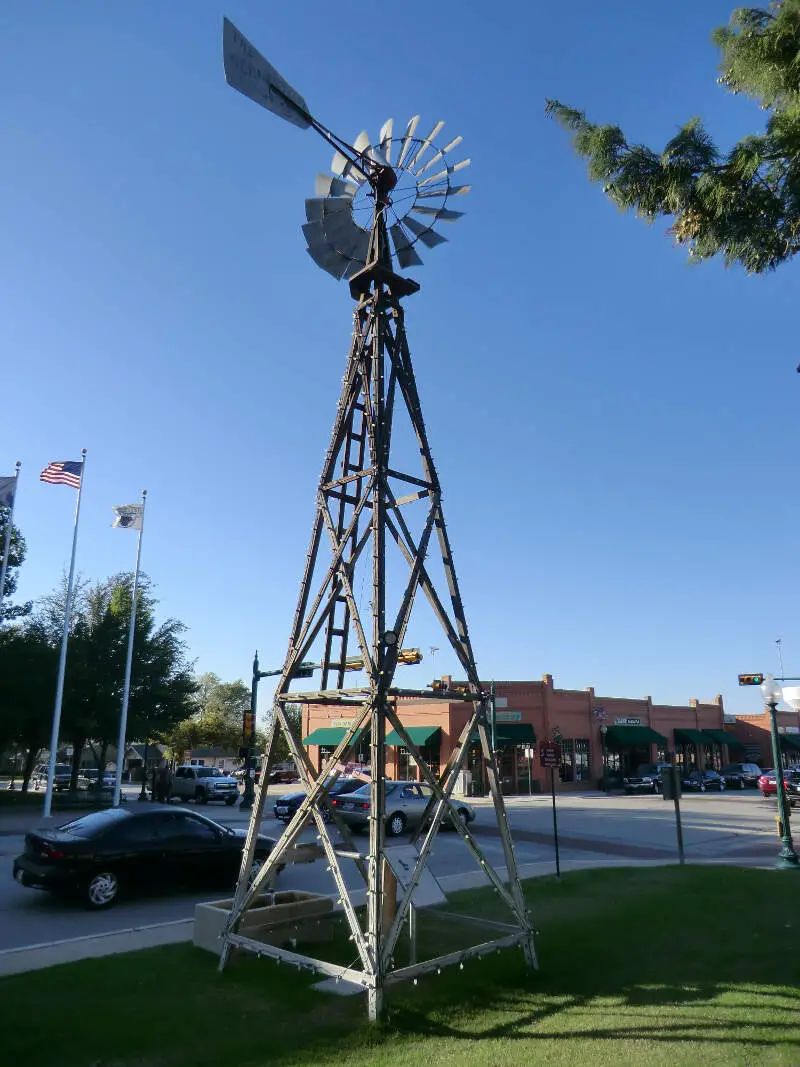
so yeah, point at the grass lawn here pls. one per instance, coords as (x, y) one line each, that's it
(650, 966)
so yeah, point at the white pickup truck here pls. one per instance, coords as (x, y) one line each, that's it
(203, 784)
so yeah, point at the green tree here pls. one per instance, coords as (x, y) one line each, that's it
(161, 689)
(17, 550)
(28, 667)
(218, 717)
(743, 204)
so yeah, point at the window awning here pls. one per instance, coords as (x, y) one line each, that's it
(508, 733)
(720, 737)
(790, 740)
(634, 735)
(420, 735)
(330, 736)
(692, 737)
(514, 733)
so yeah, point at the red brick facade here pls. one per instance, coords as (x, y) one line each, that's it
(576, 716)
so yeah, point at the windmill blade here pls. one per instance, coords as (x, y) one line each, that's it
(325, 185)
(407, 137)
(385, 137)
(446, 172)
(425, 145)
(314, 208)
(449, 190)
(429, 237)
(329, 260)
(442, 213)
(406, 256)
(440, 154)
(247, 71)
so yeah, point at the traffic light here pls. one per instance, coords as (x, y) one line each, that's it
(249, 724)
(751, 679)
(409, 656)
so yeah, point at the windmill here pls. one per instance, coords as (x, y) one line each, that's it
(382, 201)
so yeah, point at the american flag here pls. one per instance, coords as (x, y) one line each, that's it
(66, 472)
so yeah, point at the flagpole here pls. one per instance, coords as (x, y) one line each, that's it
(62, 659)
(126, 688)
(7, 541)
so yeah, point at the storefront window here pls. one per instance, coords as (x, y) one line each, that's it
(613, 762)
(661, 753)
(582, 770)
(566, 771)
(712, 755)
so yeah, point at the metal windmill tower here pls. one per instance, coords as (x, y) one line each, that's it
(360, 221)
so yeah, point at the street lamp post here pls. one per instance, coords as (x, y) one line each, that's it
(787, 857)
(249, 740)
(303, 670)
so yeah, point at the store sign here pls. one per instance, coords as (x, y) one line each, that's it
(627, 722)
(789, 729)
(508, 716)
(339, 724)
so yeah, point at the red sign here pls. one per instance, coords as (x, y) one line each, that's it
(549, 754)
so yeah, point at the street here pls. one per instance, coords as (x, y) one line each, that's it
(735, 827)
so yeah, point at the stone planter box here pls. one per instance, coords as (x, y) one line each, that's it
(279, 918)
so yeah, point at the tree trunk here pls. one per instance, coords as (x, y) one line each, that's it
(30, 758)
(77, 752)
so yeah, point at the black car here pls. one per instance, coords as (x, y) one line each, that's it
(792, 787)
(646, 780)
(701, 781)
(741, 775)
(285, 806)
(106, 853)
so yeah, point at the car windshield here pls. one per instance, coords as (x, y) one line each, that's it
(209, 772)
(97, 822)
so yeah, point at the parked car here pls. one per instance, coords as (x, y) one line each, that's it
(107, 853)
(702, 781)
(203, 784)
(62, 776)
(767, 784)
(88, 777)
(405, 805)
(793, 790)
(741, 775)
(646, 780)
(286, 805)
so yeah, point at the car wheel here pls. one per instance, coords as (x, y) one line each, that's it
(628, 792)
(200, 796)
(396, 824)
(702, 787)
(741, 783)
(722, 787)
(326, 815)
(230, 801)
(102, 890)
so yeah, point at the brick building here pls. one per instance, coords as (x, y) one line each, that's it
(754, 731)
(598, 734)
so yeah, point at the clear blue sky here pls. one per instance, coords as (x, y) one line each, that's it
(615, 430)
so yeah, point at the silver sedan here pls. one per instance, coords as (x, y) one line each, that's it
(405, 806)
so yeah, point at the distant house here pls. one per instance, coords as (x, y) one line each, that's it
(135, 757)
(213, 757)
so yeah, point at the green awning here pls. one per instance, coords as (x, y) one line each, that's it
(420, 735)
(790, 740)
(720, 737)
(692, 737)
(330, 736)
(508, 733)
(514, 733)
(634, 735)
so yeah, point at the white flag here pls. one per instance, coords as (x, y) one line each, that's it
(128, 517)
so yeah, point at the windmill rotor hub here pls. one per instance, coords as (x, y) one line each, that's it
(383, 180)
